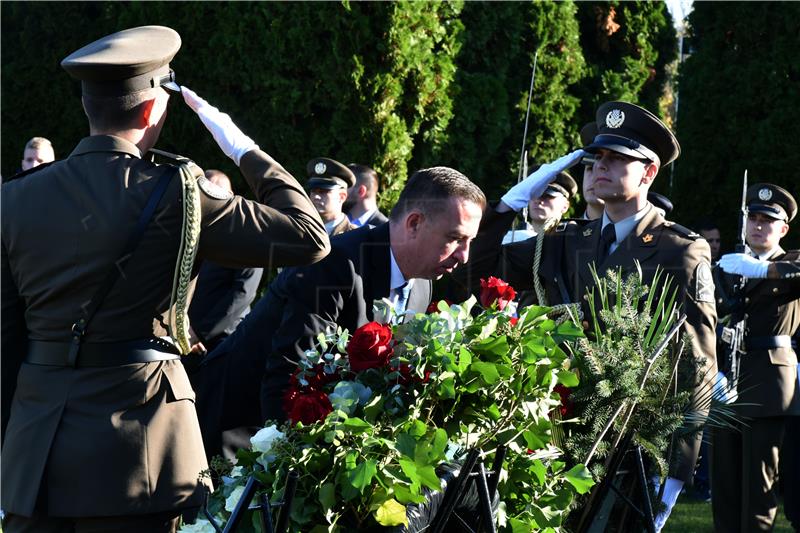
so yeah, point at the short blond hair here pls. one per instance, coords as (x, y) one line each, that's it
(37, 143)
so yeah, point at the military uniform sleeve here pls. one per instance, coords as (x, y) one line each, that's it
(789, 271)
(280, 228)
(316, 297)
(14, 337)
(488, 257)
(701, 321)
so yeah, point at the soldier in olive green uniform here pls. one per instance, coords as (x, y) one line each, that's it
(328, 181)
(744, 461)
(629, 147)
(103, 432)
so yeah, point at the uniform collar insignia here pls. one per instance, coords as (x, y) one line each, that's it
(647, 238)
(587, 232)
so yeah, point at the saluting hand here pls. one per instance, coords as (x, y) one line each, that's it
(534, 185)
(229, 137)
(744, 265)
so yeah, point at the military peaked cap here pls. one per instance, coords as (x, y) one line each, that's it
(771, 200)
(564, 185)
(126, 62)
(634, 131)
(325, 173)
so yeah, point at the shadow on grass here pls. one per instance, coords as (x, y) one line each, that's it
(692, 516)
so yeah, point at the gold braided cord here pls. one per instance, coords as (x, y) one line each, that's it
(190, 238)
(564, 310)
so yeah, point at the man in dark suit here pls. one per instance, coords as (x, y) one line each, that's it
(629, 148)
(361, 205)
(103, 434)
(745, 459)
(428, 234)
(222, 295)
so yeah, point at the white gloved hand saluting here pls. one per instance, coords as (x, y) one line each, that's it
(744, 265)
(228, 136)
(534, 185)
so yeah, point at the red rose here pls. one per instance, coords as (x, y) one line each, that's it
(434, 306)
(370, 347)
(513, 320)
(306, 406)
(496, 290)
(566, 403)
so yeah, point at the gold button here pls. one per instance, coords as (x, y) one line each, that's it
(747, 300)
(774, 289)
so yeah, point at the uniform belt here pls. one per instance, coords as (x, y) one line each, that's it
(101, 353)
(768, 343)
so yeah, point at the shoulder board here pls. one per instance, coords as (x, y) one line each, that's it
(28, 172)
(683, 231)
(173, 158)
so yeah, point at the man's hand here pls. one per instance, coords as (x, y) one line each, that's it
(229, 137)
(534, 185)
(744, 265)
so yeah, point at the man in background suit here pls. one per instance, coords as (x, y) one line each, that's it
(223, 295)
(361, 205)
(428, 235)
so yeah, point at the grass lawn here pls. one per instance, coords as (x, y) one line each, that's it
(690, 516)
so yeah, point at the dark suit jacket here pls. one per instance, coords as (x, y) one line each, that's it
(566, 276)
(377, 219)
(124, 439)
(221, 299)
(768, 377)
(300, 303)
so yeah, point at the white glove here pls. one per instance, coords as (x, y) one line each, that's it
(672, 489)
(534, 185)
(744, 265)
(229, 137)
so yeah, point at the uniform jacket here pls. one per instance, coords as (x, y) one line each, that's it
(222, 298)
(768, 377)
(342, 226)
(120, 439)
(299, 304)
(566, 276)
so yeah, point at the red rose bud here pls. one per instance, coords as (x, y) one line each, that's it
(496, 290)
(513, 320)
(306, 406)
(370, 347)
(566, 403)
(434, 306)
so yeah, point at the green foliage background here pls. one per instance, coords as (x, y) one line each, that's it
(396, 85)
(739, 96)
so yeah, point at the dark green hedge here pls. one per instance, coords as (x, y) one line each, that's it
(739, 108)
(396, 85)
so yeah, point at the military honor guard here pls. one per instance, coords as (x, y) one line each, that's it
(548, 208)
(98, 251)
(629, 148)
(745, 459)
(328, 181)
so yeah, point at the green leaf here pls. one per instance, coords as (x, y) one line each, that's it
(356, 425)
(406, 444)
(492, 345)
(580, 478)
(488, 371)
(391, 513)
(361, 477)
(409, 468)
(539, 470)
(446, 388)
(464, 359)
(568, 378)
(428, 477)
(327, 496)
(409, 494)
(518, 526)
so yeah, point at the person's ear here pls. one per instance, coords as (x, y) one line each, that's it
(413, 223)
(342, 195)
(784, 230)
(650, 171)
(149, 112)
(362, 191)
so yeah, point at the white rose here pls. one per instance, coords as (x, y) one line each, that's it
(265, 438)
(237, 471)
(233, 499)
(200, 526)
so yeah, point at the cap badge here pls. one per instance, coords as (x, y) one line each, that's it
(320, 168)
(615, 118)
(647, 238)
(764, 194)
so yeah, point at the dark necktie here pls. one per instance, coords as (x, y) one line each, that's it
(607, 238)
